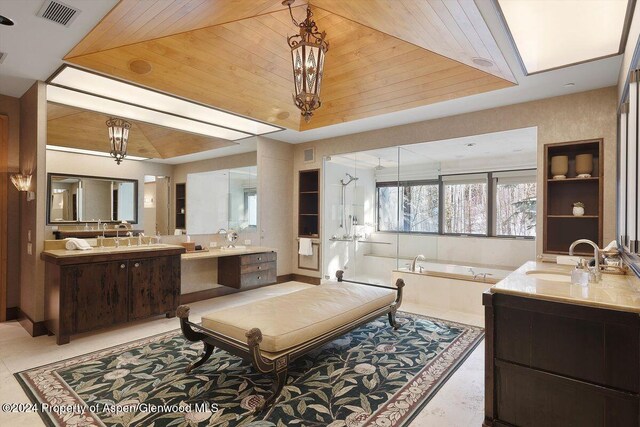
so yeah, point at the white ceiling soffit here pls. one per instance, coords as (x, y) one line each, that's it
(586, 76)
(516, 142)
(107, 87)
(89, 152)
(552, 34)
(35, 46)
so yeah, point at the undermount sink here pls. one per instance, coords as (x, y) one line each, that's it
(550, 275)
(234, 248)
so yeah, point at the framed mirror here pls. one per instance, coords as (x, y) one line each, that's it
(80, 199)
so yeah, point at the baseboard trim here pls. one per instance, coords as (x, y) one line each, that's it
(35, 329)
(207, 294)
(13, 313)
(306, 279)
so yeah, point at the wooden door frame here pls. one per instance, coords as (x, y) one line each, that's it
(4, 212)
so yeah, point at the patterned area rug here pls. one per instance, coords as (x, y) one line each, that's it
(371, 376)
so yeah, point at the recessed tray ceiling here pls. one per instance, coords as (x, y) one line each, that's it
(384, 56)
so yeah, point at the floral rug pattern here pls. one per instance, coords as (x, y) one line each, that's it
(370, 376)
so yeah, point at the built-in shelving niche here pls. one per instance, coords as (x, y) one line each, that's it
(309, 203)
(561, 227)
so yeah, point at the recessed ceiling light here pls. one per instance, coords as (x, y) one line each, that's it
(229, 126)
(89, 152)
(6, 21)
(471, 144)
(483, 62)
(569, 84)
(135, 112)
(140, 66)
(553, 34)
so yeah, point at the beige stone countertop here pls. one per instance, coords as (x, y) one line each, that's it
(616, 292)
(218, 253)
(108, 250)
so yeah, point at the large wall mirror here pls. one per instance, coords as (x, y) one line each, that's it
(222, 199)
(629, 175)
(77, 198)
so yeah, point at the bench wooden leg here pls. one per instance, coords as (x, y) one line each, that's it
(208, 349)
(392, 320)
(278, 384)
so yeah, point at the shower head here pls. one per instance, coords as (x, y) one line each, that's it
(350, 178)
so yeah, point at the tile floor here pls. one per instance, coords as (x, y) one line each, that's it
(458, 403)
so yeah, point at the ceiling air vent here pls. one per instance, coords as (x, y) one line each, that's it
(2, 56)
(309, 155)
(58, 12)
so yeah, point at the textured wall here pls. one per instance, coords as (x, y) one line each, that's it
(573, 117)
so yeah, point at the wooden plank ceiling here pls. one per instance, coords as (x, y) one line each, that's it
(87, 130)
(384, 55)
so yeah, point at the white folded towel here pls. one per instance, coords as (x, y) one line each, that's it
(77, 244)
(305, 247)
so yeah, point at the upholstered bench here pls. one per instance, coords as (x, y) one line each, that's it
(273, 332)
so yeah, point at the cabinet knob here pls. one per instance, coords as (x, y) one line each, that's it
(122, 265)
(259, 267)
(259, 277)
(259, 258)
(137, 264)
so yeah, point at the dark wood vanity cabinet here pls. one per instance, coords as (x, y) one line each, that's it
(87, 284)
(151, 289)
(86, 293)
(556, 364)
(248, 271)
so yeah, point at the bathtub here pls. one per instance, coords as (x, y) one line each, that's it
(448, 287)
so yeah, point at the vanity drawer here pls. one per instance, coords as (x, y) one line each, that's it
(247, 271)
(258, 278)
(257, 258)
(263, 266)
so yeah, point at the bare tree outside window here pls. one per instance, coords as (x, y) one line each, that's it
(418, 211)
(465, 208)
(515, 209)
(388, 208)
(416, 206)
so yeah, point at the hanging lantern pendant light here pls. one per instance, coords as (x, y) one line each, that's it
(118, 138)
(307, 55)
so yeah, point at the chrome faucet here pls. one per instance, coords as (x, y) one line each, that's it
(129, 236)
(140, 236)
(595, 273)
(416, 259)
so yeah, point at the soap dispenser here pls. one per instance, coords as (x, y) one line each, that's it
(580, 274)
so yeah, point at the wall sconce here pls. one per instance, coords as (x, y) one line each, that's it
(22, 182)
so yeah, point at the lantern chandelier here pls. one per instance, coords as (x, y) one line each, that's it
(118, 138)
(307, 55)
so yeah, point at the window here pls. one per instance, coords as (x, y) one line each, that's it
(251, 206)
(465, 204)
(418, 212)
(387, 207)
(515, 203)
